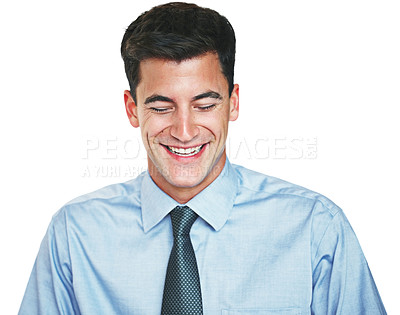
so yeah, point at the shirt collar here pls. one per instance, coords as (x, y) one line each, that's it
(213, 204)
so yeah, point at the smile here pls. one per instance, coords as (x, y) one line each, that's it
(185, 152)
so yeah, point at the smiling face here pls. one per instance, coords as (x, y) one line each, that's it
(183, 110)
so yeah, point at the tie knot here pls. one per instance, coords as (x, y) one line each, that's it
(182, 220)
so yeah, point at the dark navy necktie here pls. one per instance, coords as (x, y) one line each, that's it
(182, 292)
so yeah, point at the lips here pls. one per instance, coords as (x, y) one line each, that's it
(186, 152)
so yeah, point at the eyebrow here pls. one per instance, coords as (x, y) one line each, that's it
(159, 98)
(210, 94)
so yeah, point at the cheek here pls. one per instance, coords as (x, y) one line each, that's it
(153, 127)
(217, 124)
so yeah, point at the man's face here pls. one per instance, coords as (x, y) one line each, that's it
(183, 110)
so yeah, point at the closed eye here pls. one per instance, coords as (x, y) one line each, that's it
(159, 109)
(206, 107)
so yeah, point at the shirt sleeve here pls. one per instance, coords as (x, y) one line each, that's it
(342, 281)
(50, 290)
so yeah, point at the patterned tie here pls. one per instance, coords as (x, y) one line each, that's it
(182, 293)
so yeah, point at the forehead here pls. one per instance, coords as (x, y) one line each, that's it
(201, 71)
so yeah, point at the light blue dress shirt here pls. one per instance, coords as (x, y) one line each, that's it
(263, 246)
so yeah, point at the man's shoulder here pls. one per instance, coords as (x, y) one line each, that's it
(265, 186)
(89, 213)
(118, 194)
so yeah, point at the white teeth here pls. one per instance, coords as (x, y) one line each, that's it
(185, 152)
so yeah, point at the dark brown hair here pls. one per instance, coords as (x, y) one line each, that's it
(178, 31)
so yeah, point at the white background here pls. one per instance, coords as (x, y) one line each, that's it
(308, 71)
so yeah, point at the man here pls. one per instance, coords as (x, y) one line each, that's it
(195, 234)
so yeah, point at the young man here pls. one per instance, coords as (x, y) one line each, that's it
(195, 234)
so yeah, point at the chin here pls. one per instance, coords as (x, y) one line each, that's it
(186, 181)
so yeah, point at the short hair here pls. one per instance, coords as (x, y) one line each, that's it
(178, 31)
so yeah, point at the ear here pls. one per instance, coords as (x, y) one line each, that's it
(131, 109)
(234, 103)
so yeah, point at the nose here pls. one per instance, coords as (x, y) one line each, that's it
(184, 126)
